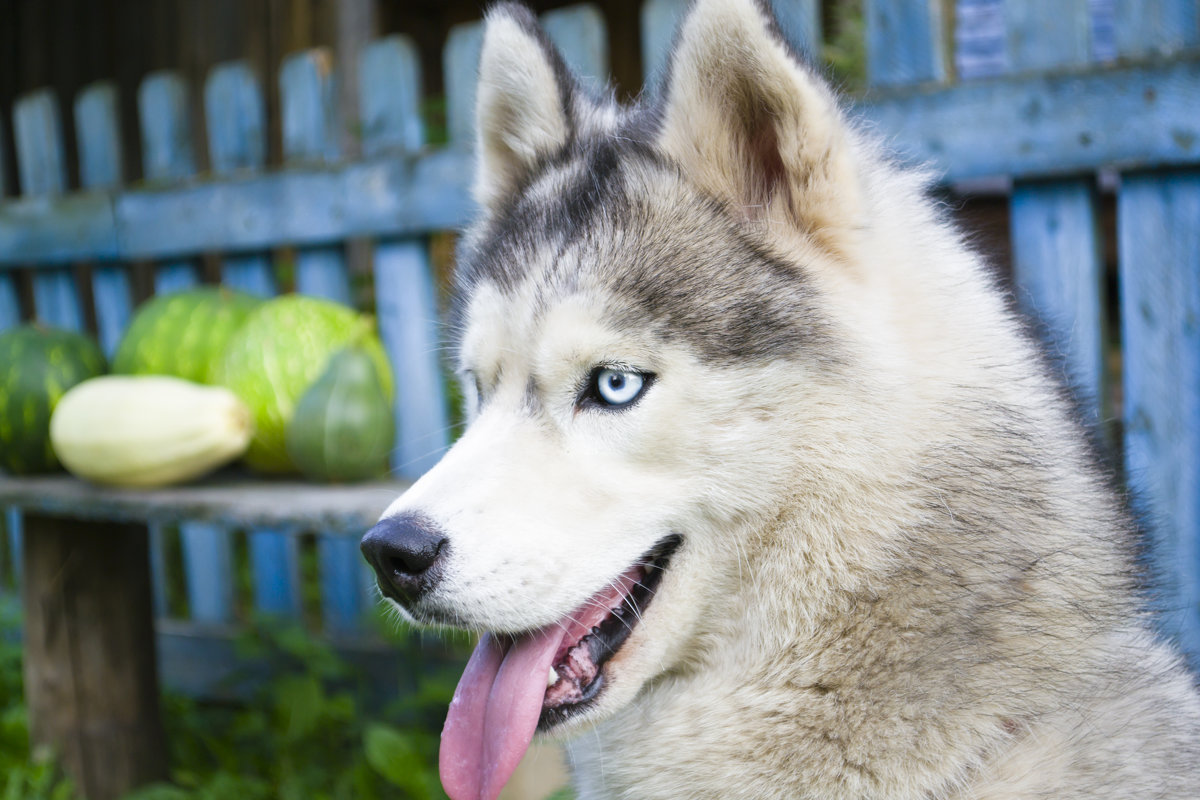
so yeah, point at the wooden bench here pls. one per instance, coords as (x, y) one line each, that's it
(1045, 96)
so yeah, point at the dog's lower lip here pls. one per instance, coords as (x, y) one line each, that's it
(606, 639)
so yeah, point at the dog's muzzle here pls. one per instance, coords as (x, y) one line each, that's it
(408, 553)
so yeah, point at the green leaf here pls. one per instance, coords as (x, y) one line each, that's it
(395, 756)
(565, 793)
(301, 702)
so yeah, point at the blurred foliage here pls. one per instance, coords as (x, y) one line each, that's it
(311, 731)
(845, 49)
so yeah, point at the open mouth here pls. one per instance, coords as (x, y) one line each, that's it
(596, 632)
(516, 685)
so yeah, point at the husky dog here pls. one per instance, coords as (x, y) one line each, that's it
(765, 493)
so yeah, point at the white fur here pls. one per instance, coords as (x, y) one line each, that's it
(907, 581)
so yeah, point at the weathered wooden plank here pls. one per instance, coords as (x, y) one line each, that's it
(164, 112)
(1104, 33)
(460, 68)
(309, 109)
(391, 84)
(391, 114)
(41, 159)
(980, 40)
(234, 108)
(580, 35)
(310, 136)
(1057, 259)
(387, 197)
(47, 232)
(405, 301)
(799, 21)
(275, 563)
(660, 21)
(97, 131)
(406, 306)
(237, 143)
(1155, 27)
(15, 523)
(1159, 242)
(10, 309)
(98, 134)
(1057, 124)
(1023, 126)
(1058, 269)
(293, 506)
(91, 681)
(905, 41)
(41, 162)
(164, 109)
(340, 580)
(1044, 36)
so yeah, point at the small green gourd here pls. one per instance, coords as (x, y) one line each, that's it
(342, 428)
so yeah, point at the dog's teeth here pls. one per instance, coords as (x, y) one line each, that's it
(552, 678)
(647, 569)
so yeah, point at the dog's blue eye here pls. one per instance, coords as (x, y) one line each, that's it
(616, 388)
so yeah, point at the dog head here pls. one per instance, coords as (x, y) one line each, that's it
(652, 370)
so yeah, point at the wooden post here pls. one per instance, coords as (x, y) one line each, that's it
(91, 679)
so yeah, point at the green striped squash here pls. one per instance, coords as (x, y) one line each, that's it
(282, 349)
(39, 365)
(182, 333)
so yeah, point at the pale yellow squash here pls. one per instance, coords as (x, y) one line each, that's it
(147, 430)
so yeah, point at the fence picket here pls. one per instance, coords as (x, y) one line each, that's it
(100, 167)
(460, 65)
(233, 107)
(236, 143)
(1159, 246)
(798, 20)
(165, 114)
(167, 155)
(391, 113)
(579, 33)
(1042, 36)
(1155, 27)
(1058, 265)
(405, 300)
(97, 131)
(1160, 276)
(14, 523)
(41, 163)
(310, 136)
(10, 316)
(904, 41)
(1058, 268)
(10, 307)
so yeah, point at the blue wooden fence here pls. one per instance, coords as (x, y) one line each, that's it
(1045, 95)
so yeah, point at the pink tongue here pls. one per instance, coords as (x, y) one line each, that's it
(499, 698)
(495, 712)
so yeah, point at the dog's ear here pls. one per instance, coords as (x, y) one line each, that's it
(521, 106)
(750, 124)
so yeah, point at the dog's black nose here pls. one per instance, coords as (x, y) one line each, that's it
(407, 553)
